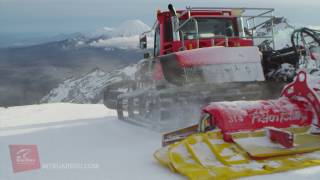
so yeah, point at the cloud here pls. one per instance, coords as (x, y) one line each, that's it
(85, 15)
(119, 42)
(131, 42)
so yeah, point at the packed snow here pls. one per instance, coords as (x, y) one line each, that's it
(89, 135)
(19, 116)
(79, 134)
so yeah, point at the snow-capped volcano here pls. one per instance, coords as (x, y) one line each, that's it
(125, 29)
(102, 32)
(131, 28)
(125, 36)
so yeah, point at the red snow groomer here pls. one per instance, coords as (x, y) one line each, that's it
(244, 138)
(204, 55)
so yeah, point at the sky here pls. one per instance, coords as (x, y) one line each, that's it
(68, 16)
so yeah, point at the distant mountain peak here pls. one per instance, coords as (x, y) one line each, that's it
(131, 28)
(102, 32)
(125, 36)
(127, 28)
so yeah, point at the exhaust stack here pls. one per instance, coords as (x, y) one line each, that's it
(172, 10)
(175, 23)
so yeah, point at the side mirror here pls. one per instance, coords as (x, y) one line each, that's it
(143, 41)
(146, 55)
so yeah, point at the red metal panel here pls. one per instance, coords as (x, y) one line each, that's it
(298, 106)
(239, 116)
(285, 138)
(218, 55)
(310, 93)
(232, 42)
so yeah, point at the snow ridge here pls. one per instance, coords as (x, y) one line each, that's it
(87, 88)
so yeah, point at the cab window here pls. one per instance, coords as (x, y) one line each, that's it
(157, 41)
(209, 27)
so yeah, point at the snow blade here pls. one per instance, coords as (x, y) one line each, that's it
(178, 135)
(208, 156)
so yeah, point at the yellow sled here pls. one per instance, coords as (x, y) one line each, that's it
(208, 156)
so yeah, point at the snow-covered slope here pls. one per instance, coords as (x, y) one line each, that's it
(87, 88)
(30, 115)
(68, 134)
(81, 135)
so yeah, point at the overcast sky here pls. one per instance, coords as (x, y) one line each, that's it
(66, 16)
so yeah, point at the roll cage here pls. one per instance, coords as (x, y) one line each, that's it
(248, 20)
